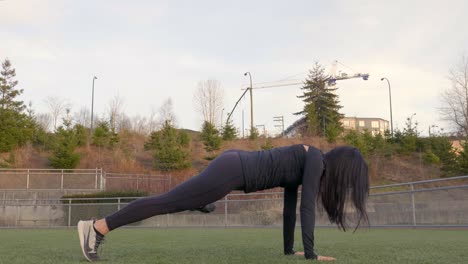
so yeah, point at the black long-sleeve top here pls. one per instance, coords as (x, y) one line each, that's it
(288, 167)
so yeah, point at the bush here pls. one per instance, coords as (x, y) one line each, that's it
(169, 153)
(268, 144)
(430, 158)
(63, 151)
(210, 137)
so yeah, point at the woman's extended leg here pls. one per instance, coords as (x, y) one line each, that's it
(223, 175)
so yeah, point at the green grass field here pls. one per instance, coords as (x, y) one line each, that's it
(210, 246)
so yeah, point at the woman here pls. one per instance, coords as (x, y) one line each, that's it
(332, 178)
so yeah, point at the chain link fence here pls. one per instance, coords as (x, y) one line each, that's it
(435, 203)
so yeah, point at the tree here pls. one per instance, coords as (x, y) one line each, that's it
(115, 111)
(8, 93)
(83, 117)
(63, 151)
(208, 99)
(229, 131)
(166, 113)
(210, 137)
(455, 99)
(103, 136)
(168, 148)
(254, 133)
(16, 127)
(321, 102)
(57, 107)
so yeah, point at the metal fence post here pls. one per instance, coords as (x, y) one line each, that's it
(61, 182)
(137, 182)
(69, 212)
(225, 212)
(27, 181)
(118, 204)
(17, 213)
(101, 184)
(95, 178)
(413, 205)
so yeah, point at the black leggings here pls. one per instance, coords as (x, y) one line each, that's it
(223, 175)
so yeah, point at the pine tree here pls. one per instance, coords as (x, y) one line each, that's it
(16, 127)
(210, 137)
(103, 136)
(321, 103)
(229, 131)
(169, 151)
(63, 153)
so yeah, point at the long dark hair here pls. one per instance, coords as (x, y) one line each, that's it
(345, 179)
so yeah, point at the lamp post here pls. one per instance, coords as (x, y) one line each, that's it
(390, 96)
(92, 104)
(251, 104)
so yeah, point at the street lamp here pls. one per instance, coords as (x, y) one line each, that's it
(92, 104)
(390, 96)
(251, 103)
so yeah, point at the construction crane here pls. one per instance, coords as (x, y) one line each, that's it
(331, 81)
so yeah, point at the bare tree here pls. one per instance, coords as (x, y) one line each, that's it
(152, 122)
(208, 100)
(125, 123)
(115, 111)
(140, 125)
(44, 120)
(83, 117)
(455, 99)
(166, 113)
(56, 107)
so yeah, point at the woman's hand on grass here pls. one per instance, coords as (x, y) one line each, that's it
(321, 258)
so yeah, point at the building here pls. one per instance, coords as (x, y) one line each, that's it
(373, 125)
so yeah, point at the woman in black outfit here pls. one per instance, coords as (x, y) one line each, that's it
(333, 178)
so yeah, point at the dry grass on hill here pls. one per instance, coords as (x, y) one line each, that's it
(130, 157)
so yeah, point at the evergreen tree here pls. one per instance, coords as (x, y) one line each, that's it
(169, 153)
(103, 136)
(229, 131)
(321, 103)
(80, 132)
(184, 139)
(16, 127)
(462, 159)
(254, 133)
(210, 137)
(63, 152)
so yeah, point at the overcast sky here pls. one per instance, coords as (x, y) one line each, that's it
(147, 51)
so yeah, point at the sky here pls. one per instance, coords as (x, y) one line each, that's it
(148, 51)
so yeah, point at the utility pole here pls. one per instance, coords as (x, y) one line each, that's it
(280, 119)
(243, 129)
(251, 103)
(92, 105)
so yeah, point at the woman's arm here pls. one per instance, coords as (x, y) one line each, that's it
(289, 219)
(313, 170)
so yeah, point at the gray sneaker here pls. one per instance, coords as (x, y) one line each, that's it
(89, 240)
(206, 209)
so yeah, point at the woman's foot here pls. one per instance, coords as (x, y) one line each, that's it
(90, 240)
(206, 209)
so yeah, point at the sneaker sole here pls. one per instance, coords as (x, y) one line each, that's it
(81, 236)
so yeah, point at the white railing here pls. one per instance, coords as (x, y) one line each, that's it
(79, 180)
(439, 206)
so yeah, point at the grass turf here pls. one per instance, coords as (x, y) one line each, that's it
(193, 246)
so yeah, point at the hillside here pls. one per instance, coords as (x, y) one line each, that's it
(130, 157)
